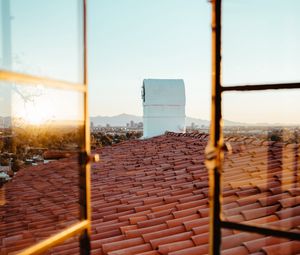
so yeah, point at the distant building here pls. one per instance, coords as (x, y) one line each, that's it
(132, 124)
(163, 106)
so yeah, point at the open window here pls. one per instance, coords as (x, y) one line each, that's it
(44, 128)
(260, 177)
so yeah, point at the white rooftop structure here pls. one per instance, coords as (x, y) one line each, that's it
(163, 106)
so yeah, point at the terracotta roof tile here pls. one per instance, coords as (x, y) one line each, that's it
(237, 239)
(240, 250)
(127, 227)
(256, 244)
(158, 203)
(150, 253)
(200, 239)
(187, 212)
(292, 247)
(203, 249)
(189, 225)
(179, 221)
(136, 219)
(192, 204)
(170, 239)
(288, 202)
(263, 220)
(201, 229)
(122, 244)
(163, 207)
(259, 212)
(132, 250)
(108, 240)
(176, 246)
(236, 218)
(138, 232)
(148, 206)
(237, 209)
(288, 223)
(271, 200)
(155, 221)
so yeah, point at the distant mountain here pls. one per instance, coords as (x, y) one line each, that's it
(118, 120)
(233, 123)
(198, 122)
(122, 119)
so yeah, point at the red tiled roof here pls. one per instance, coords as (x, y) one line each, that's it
(150, 197)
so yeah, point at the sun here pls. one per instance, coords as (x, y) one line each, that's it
(35, 117)
(47, 106)
(35, 112)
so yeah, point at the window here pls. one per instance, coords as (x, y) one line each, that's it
(43, 118)
(243, 94)
(214, 151)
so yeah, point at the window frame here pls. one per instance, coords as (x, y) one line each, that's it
(214, 150)
(83, 227)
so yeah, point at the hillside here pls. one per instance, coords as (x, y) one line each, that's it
(122, 119)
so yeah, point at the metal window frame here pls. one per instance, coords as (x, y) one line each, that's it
(214, 149)
(83, 227)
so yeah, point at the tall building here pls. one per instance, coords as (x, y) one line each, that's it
(163, 106)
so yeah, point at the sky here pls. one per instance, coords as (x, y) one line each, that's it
(135, 39)
(131, 40)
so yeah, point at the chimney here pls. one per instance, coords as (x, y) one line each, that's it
(163, 106)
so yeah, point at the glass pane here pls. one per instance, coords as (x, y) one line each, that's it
(41, 133)
(70, 246)
(260, 41)
(42, 38)
(260, 180)
(238, 242)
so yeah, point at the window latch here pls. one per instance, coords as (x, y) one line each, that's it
(85, 158)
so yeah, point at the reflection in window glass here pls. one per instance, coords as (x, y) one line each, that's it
(237, 242)
(260, 179)
(42, 38)
(41, 134)
(260, 41)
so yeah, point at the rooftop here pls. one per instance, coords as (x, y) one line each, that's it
(150, 197)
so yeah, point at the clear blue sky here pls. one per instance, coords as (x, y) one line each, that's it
(135, 39)
(130, 40)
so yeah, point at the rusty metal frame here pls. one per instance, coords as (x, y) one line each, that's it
(214, 153)
(256, 87)
(214, 149)
(83, 228)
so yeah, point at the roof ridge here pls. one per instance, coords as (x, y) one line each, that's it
(201, 135)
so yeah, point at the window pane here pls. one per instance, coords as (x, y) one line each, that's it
(238, 242)
(70, 246)
(41, 133)
(260, 41)
(42, 38)
(260, 180)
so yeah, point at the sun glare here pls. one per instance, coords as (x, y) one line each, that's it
(36, 112)
(35, 117)
(50, 106)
